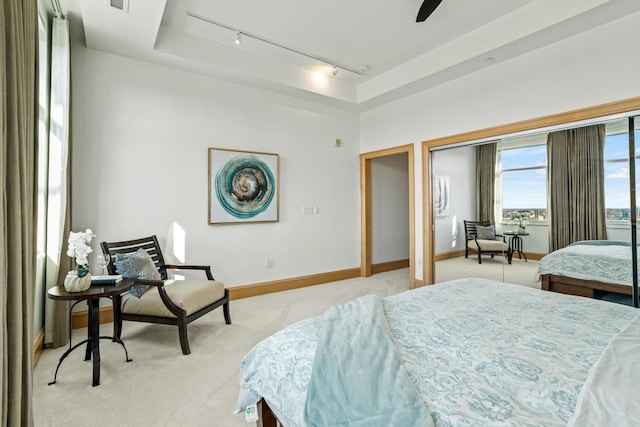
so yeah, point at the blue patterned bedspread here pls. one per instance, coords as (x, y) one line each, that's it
(602, 260)
(479, 352)
(358, 378)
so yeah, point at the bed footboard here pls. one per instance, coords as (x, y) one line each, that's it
(579, 287)
(266, 418)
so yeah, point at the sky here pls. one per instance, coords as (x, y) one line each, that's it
(528, 189)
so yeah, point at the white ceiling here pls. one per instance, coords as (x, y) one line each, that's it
(400, 55)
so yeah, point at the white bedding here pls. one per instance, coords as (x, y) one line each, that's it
(611, 394)
(479, 352)
(600, 260)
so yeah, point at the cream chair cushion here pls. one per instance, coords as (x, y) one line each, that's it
(190, 295)
(489, 245)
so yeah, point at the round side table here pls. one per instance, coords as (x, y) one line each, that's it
(516, 243)
(92, 297)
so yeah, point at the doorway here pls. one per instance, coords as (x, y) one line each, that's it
(368, 266)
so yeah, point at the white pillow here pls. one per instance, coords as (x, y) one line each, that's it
(137, 265)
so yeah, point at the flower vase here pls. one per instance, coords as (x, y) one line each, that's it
(74, 283)
(522, 230)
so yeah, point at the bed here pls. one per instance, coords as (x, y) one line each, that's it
(475, 352)
(588, 268)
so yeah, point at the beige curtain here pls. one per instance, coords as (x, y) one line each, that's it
(59, 182)
(18, 161)
(575, 176)
(486, 181)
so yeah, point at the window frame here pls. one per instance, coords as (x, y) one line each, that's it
(505, 145)
(616, 223)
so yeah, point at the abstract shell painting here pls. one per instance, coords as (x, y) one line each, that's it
(441, 196)
(243, 186)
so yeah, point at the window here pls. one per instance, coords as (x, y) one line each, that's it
(523, 169)
(616, 171)
(43, 137)
(524, 182)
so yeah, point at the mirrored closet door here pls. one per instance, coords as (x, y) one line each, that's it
(584, 173)
(463, 184)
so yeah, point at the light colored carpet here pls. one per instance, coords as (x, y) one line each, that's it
(519, 272)
(161, 387)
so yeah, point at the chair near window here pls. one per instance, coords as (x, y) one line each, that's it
(482, 239)
(156, 299)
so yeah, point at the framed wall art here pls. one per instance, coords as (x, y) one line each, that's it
(243, 186)
(441, 196)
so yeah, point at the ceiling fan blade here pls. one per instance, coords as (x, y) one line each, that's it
(427, 8)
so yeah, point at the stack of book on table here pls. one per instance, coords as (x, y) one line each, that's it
(106, 280)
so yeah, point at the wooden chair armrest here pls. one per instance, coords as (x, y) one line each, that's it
(146, 282)
(173, 308)
(185, 267)
(205, 268)
(477, 243)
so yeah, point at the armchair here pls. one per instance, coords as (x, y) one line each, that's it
(484, 242)
(169, 302)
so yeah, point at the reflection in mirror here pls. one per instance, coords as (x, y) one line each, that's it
(634, 125)
(522, 171)
(551, 191)
(591, 227)
(634, 156)
(456, 191)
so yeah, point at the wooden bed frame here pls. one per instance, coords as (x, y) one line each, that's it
(266, 417)
(581, 287)
(550, 282)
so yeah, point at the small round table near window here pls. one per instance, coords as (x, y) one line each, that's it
(516, 243)
(92, 297)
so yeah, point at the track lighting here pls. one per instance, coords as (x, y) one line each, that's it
(335, 65)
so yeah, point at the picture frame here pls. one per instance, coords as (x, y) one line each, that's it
(243, 186)
(441, 196)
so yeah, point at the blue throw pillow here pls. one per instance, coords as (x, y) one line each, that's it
(137, 265)
(486, 233)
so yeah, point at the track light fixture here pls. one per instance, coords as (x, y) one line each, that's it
(335, 65)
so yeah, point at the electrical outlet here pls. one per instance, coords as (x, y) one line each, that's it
(271, 263)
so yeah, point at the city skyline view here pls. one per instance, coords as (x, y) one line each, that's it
(524, 181)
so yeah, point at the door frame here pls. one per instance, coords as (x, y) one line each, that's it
(604, 110)
(365, 207)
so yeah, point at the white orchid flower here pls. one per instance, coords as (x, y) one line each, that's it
(79, 246)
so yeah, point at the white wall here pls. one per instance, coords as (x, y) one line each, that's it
(141, 134)
(578, 72)
(459, 164)
(619, 233)
(389, 208)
